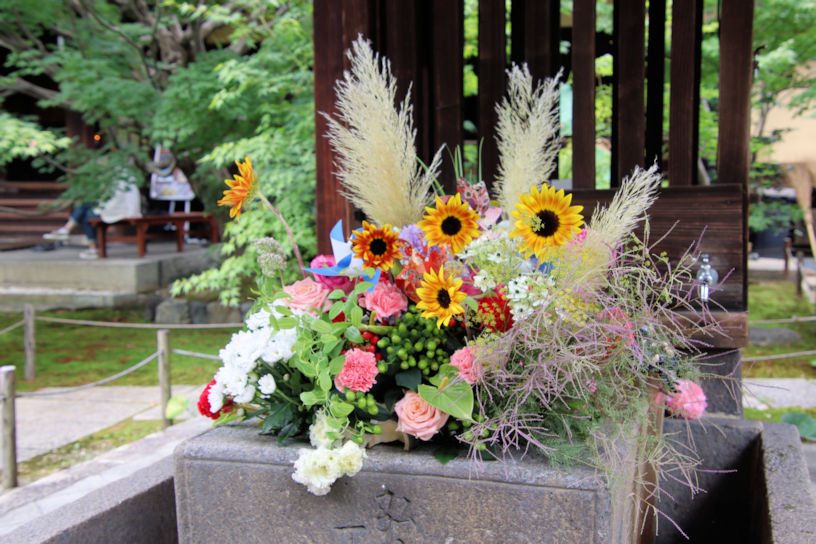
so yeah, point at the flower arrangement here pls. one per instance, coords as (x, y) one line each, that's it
(502, 326)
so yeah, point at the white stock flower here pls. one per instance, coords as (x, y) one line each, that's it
(280, 347)
(246, 395)
(316, 469)
(318, 430)
(266, 384)
(350, 458)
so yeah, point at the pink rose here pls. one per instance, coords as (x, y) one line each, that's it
(307, 294)
(418, 418)
(689, 402)
(469, 369)
(332, 282)
(386, 300)
(359, 371)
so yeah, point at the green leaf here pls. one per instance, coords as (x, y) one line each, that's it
(472, 303)
(391, 398)
(353, 335)
(283, 310)
(290, 429)
(356, 316)
(336, 294)
(310, 398)
(409, 378)
(287, 323)
(306, 367)
(340, 408)
(336, 309)
(226, 417)
(336, 365)
(279, 417)
(324, 381)
(804, 422)
(444, 454)
(175, 406)
(456, 398)
(360, 288)
(318, 325)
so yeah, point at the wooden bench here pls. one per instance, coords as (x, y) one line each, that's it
(143, 223)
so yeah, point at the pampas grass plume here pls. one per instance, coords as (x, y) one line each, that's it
(377, 160)
(527, 129)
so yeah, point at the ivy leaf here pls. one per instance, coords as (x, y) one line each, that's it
(444, 454)
(409, 379)
(804, 422)
(456, 398)
(279, 417)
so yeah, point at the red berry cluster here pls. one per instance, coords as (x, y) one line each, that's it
(369, 344)
(494, 313)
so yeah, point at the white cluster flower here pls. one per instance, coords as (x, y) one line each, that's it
(266, 384)
(318, 430)
(240, 358)
(483, 281)
(319, 468)
(526, 293)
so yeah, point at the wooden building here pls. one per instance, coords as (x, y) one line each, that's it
(424, 42)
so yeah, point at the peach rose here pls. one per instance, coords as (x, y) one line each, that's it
(307, 294)
(469, 369)
(386, 300)
(418, 418)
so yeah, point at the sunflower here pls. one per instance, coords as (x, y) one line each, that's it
(241, 189)
(440, 297)
(545, 220)
(377, 246)
(452, 223)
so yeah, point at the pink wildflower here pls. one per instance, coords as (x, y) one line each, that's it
(359, 371)
(469, 369)
(689, 402)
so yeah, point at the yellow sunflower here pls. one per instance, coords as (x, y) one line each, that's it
(545, 220)
(451, 223)
(440, 297)
(377, 246)
(241, 190)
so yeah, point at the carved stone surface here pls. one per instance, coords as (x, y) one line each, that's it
(234, 485)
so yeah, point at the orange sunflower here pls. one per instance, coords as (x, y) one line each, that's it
(451, 223)
(242, 189)
(377, 246)
(440, 297)
(545, 220)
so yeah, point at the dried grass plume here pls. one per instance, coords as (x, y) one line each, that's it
(527, 132)
(377, 160)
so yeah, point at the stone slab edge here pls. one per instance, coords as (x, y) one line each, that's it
(790, 495)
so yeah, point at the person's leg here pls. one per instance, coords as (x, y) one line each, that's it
(90, 232)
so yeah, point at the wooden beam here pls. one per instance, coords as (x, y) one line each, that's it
(583, 95)
(628, 119)
(736, 70)
(655, 81)
(336, 25)
(491, 71)
(684, 111)
(447, 27)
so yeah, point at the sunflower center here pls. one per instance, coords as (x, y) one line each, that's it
(378, 247)
(547, 223)
(443, 298)
(451, 225)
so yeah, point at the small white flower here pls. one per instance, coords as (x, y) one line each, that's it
(246, 395)
(318, 430)
(350, 458)
(216, 397)
(267, 385)
(317, 470)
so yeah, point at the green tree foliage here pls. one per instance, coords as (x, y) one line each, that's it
(212, 81)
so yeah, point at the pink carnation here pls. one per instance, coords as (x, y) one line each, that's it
(418, 418)
(386, 300)
(307, 294)
(688, 402)
(332, 282)
(359, 371)
(469, 369)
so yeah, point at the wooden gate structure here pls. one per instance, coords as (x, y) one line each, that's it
(424, 41)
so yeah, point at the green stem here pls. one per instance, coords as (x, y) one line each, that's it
(288, 230)
(285, 397)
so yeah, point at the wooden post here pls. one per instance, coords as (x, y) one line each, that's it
(29, 344)
(163, 347)
(8, 464)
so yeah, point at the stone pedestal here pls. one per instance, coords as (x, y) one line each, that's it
(234, 485)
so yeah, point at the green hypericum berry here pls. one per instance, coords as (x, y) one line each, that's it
(390, 350)
(423, 364)
(481, 446)
(402, 354)
(382, 368)
(419, 346)
(370, 401)
(404, 365)
(376, 429)
(412, 361)
(383, 342)
(431, 345)
(360, 439)
(434, 366)
(396, 338)
(466, 423)
(373, 410)
(350, 395)
(426, 371)
(452, 425)
(414, 333)
(361, 403)
(402, 329)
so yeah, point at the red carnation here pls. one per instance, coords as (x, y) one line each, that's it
(204, 404)
(494, 313)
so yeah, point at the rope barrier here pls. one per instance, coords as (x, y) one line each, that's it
(794, 319)
(195, 354)
(783, 356)
(12, 327)
(112, 324)
(103, 381)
